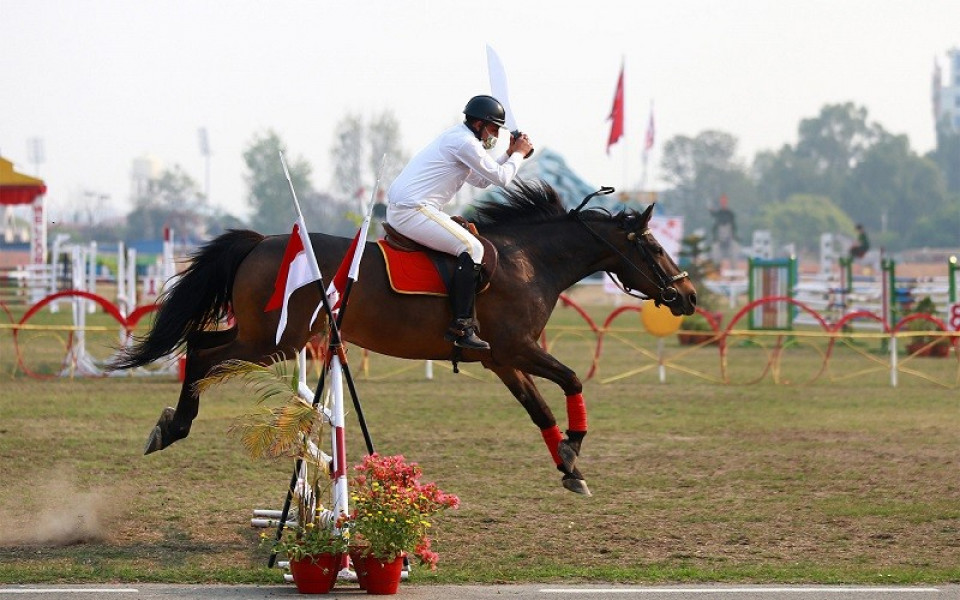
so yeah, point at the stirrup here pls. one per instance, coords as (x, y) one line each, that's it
(472, 341)
(462, 333)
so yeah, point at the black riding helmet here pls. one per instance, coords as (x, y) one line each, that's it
(486, 108)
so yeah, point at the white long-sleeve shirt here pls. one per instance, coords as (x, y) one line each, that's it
(438, 171)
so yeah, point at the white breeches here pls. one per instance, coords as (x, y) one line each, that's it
(435, 229)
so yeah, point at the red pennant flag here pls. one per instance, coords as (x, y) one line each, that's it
(616, 114)
(339, 284)
(294, 247)
(295, 272)
(648, 142)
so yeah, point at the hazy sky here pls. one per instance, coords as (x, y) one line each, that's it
(102, 82)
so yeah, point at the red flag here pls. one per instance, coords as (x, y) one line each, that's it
(339, 284)
(616, 114)
(295, 272)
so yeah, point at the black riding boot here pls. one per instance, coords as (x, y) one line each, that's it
(463, 292)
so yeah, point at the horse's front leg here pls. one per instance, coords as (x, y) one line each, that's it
(542, 364)
(524, 390)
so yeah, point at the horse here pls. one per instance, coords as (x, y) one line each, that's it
(543, 249)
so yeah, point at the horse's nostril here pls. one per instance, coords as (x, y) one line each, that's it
(693, 299)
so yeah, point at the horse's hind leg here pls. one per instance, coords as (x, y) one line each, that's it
(204, 350)
(526, 392)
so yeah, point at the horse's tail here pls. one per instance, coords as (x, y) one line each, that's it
(199, 298)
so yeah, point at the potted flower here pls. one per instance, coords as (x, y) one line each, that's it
(703, 325)
(700, 327)
(390, 518)
(921, 318)
(315, 543)
(314, 547)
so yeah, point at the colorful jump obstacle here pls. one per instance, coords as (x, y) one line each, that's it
(328, 397)
(771, 278)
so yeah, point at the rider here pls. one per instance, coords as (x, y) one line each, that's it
(859, 249)
(432, 178)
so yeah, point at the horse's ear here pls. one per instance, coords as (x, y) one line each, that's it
(645, 217)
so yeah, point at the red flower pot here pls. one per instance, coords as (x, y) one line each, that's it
(359, 562)
(382, 578)
(315, 574)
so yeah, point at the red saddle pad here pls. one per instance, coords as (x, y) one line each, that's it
(411, 272)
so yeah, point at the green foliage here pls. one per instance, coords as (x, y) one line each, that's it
(317, 536)
(172, 200)
(695, 259)
(281, 430)
(348, 158)
(391, 508)
(947, 154)
(871, 175)
(926, 307)
(269, 191)
(701, 170)
(723, 467)
(358, 150)
(802, 218)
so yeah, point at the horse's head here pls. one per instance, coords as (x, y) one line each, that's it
(638, 261)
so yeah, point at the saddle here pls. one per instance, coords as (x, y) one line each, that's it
(404, 255)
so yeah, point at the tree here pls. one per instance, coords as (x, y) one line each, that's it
(172, 200)
(829, 147)
(385, 140)
(784, 173)
(269, 191)
(701, 170)
(347, 155)
(872, 175)
(358, 150)
(802, 218)
(891, 189)
(947, 154)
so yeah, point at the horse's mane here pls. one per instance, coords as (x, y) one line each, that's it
(528, 202)
(524, 202)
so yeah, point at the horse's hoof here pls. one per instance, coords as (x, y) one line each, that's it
(568, 455)
(577, 486)
(155, 440)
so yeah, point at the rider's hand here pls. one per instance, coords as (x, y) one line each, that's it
(520, 144)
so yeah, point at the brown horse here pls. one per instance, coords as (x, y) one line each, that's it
(543, 250)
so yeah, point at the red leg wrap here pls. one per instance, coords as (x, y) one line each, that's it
(576, 413)
(552, 438)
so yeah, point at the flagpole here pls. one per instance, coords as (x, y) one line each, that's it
(308, 247)
(335, 342)
(354, 273)
(647, 146)
(353, 276)
(626, 138)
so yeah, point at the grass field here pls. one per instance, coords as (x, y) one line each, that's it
(842, 479)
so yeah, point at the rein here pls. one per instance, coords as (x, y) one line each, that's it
(668, 293)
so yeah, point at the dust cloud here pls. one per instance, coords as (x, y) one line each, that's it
(55, 512)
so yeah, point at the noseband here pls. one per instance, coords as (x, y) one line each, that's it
(668, 292)
(665, 284)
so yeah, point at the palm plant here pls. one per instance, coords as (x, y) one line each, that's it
(281, 430)
(287, 428)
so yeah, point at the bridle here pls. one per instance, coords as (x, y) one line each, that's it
(665, 283)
